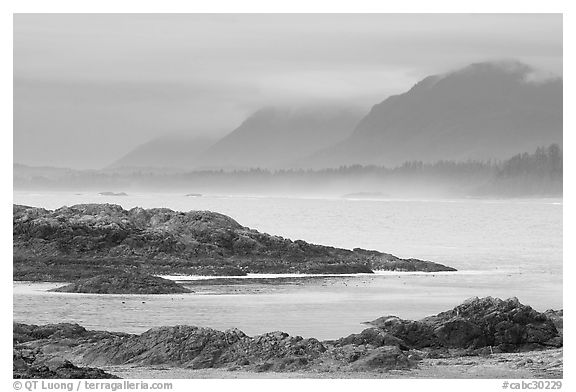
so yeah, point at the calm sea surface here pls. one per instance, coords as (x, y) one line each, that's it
(501, 248)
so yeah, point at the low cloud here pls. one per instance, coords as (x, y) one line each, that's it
(115, 81)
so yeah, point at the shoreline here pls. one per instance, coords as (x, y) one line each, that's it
(480, 338)
(183, 278)
(280, 276)
(232, 303)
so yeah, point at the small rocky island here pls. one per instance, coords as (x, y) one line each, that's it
(87, 240)
(124, 283)
(480, 331)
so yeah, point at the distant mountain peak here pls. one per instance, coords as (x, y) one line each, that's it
(511, 70)
(279, 136)
(486, 110)
(508, 66)
(298, 111)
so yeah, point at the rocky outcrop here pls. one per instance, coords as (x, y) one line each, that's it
(124, 283)
(372, 336)
(557, 317)
(202, 348)
(85, 240)
(387, 357)
(477, 327)
(502, 325)
(27, 365)
(198, 348)
(37, 350)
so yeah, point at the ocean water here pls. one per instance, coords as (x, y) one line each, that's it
(501, 248)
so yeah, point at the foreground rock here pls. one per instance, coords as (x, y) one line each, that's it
(478, 325)
(198, 348)
(27, 365)
(124, 283)
(394, 344)
(86, 240)
(201, 348)
(37, 360)
(557, 317)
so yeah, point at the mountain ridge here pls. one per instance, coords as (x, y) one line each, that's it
(275, 137)
(483, 111)
(486, 110)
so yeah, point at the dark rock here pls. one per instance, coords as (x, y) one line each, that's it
(557, 317)
(180, 346)
(415, 334)
(124, 283)
(477, 327)
(373, 336)
(557, 341)
(199, 348)
(457, 332)
(383, 358)
(185, 346)
(478, 322)
(86, 240)
(505, 322)
(29, 365)
(285, 352)
(25, 333)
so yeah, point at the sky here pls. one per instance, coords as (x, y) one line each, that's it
(88, 88)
